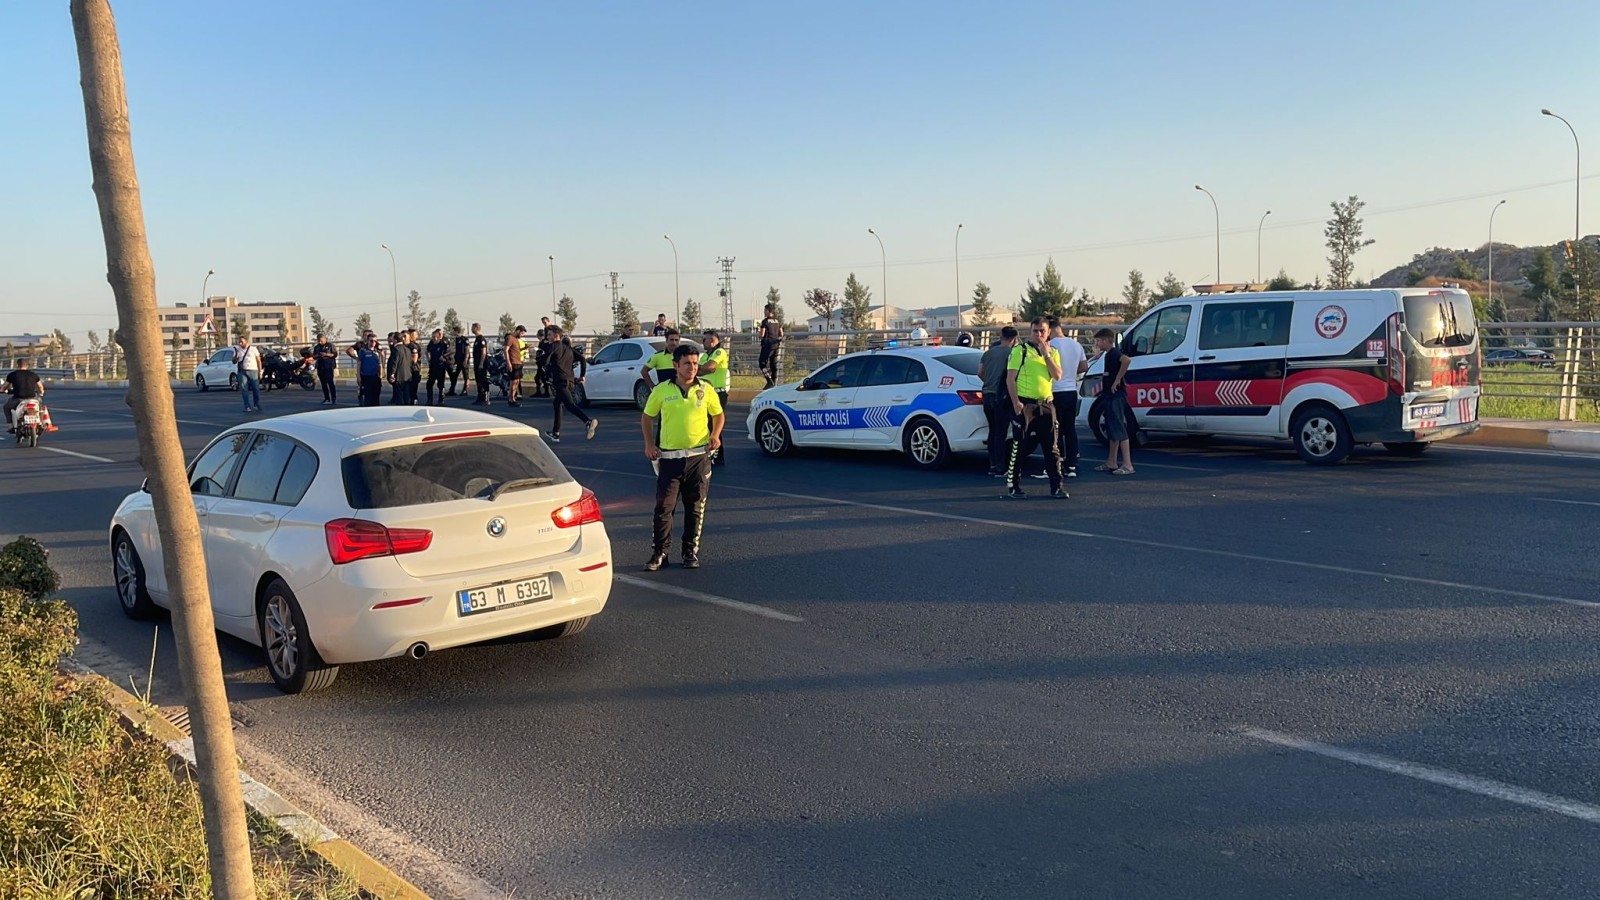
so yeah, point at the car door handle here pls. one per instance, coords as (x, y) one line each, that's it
(897, 399)
(1184, 358)
(1207, 357)
(265, 518)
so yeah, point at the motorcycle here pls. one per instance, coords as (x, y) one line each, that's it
(280, 371)
(29, 422)
(500, 373)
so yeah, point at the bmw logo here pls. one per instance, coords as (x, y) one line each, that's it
(497, 527)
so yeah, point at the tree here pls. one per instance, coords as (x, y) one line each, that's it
(1343, 232)
(1168, 287)
(111, 343)
(855, 310)
(623, 315)
(690, 323)
(452, 322)
(319, 325)
(982, 306)
(176, 342)
(1541, 275)
(1048, 297)
(822, 302)
(567, 312)
(775, 300)
(240, 328)
(1463, 270)
(1135, 296)
(94, 342)
(507, 324)
(63, 344)
(1415, 275)
(363, 324)
(133, 284)
(1579, 282)
(283, 329)
(424, 321)
(1284, 282)
(1546, 310)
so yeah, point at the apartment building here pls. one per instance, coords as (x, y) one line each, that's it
(268, 323)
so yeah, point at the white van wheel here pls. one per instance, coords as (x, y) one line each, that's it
(1320, 435)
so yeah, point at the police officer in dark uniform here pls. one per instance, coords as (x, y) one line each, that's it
(458, 366)
(480, 364)
(438, 365)
(691, 422)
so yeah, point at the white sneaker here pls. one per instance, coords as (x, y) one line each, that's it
(593, 426)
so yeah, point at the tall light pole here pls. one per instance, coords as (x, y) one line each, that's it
(205, 303)
(1491, 246)
(884, 257)
(553, 303)
(1258, 244)
(1218, 214)
(958, 276)
(395, 277)
(1577, 179)
(676, 312)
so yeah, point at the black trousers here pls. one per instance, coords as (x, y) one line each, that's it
(436, 376)
(690, 479)
(1036, 424)
(480, 378)
(457, 376)
(1067, 427)
(330, 391)
(720, 458)
(771, 361)
(997, 409)
(561, 398)
(370, 392)
(405, 392)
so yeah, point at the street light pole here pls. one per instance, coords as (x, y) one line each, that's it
(395, 277)
(884, 258)
(676, 311)
(1218, 214)
(1577, 179)
(205, 304)
(1491, 247)
(1258, 243)
(958, 276)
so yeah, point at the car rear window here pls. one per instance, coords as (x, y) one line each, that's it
(442, 470)
(965, 363)
(1440, 320)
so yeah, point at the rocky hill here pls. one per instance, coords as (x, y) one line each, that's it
(1444, 264)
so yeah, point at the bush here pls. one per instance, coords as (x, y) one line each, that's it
(25, 566)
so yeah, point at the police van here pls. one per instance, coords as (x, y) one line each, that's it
(1324, 369)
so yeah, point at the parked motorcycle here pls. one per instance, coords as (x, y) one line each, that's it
(279, 370)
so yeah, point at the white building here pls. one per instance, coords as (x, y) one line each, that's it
(268, 323)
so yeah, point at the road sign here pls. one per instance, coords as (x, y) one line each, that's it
(210, 327)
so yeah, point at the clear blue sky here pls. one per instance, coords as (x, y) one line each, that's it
(282, 143)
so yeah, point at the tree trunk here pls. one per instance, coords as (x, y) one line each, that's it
(132, 277)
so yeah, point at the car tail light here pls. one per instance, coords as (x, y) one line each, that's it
(1397, 356)
(353, 539)
(971, 398)
(583, 511)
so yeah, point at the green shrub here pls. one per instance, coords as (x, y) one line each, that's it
(25, 566)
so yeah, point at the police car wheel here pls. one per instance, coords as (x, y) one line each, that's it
(925, 444)
(641, 394)
(1406, 448)
(1320, 435)
(772, 435)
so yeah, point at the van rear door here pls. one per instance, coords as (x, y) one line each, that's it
(1439, 346)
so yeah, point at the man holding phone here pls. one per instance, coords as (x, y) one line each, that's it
(1034, 366)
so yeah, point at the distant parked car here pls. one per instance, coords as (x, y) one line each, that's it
(217, 371)
(1508, 356)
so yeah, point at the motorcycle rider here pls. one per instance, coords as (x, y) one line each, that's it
(22, 384)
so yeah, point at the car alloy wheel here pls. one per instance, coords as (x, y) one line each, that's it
(641, 394)
(1320, 435)
(128, 572)
(773, 435)
(200, 382)
(291, 659)
(925, 444)
(233, 382)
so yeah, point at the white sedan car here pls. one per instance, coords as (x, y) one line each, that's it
(924, 401)
(218, 370)
(616, 374)
(342, 536)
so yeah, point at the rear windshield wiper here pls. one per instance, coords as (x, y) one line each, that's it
(517, 484)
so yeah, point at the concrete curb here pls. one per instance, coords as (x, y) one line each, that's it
(374, 877)
(1562, 436)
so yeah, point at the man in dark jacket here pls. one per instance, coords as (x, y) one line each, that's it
(560, 362)
(458, 364)
(438, 365)
(480, 364)
(327, 360)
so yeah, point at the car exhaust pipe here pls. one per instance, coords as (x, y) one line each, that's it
(417, 650)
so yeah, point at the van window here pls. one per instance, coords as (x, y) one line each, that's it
(1440, 320)
(1162, 332)
(1263, 324)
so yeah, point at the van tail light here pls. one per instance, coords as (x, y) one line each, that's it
(971, 398)
(583, 511)
(1396, 356)
(353, 539)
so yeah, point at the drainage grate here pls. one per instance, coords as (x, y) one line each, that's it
(177, 715)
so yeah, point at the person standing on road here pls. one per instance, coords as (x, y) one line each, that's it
(458, 363)
(714, 369)
(771, 331)
(563, 369)
(369, 369)
(1065, 394)
(996, 400)
(327, 360)
(438, 365)
(247, 357)
(660, 364)
(661, 327)
(1116, 404)
(403, 369)
(690, 417)
(541, 353)
(516, 350)
(480, 364)
(1031, 369)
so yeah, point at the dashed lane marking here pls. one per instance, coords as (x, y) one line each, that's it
(1141, 542)
(704, 597)
(78, 455)
(1572, 502)
(1472, 784)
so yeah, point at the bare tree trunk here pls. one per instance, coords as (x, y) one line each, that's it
(133, 281)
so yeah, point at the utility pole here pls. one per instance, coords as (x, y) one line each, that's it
(726, 262)
(616, 302)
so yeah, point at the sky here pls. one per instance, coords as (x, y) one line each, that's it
(281, 144)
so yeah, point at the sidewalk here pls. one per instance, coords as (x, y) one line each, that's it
(1536, 434)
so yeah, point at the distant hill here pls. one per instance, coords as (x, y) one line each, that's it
(1439, 264)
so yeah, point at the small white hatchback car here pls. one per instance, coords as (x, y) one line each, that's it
(342, 536)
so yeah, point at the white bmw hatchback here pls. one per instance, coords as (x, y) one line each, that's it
(926, 402)
(343, 536)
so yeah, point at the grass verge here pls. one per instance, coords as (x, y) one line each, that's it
(1527, 392)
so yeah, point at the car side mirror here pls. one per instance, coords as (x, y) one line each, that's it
(144, 486)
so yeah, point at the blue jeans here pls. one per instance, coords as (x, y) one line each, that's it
(250, 388)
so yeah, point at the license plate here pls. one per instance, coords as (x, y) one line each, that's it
(504, 595)
(1430, 411)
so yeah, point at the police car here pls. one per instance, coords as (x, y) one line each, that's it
(926, 402)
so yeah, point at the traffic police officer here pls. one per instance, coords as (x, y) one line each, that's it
(661, 364)
(691, 420)
(714, 369)
(1030, 372)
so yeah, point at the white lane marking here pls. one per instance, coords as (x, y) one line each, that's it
(703, 597)
(123, 415)
(1142, 542)
(1472, 784)
(1151, 465)
(1564, 454)
(77, 454)
(1573, 502)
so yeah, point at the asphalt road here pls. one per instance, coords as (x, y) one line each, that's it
(1230, 675)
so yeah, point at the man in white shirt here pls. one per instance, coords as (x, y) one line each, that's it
(1073, 364)
(247, 357)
